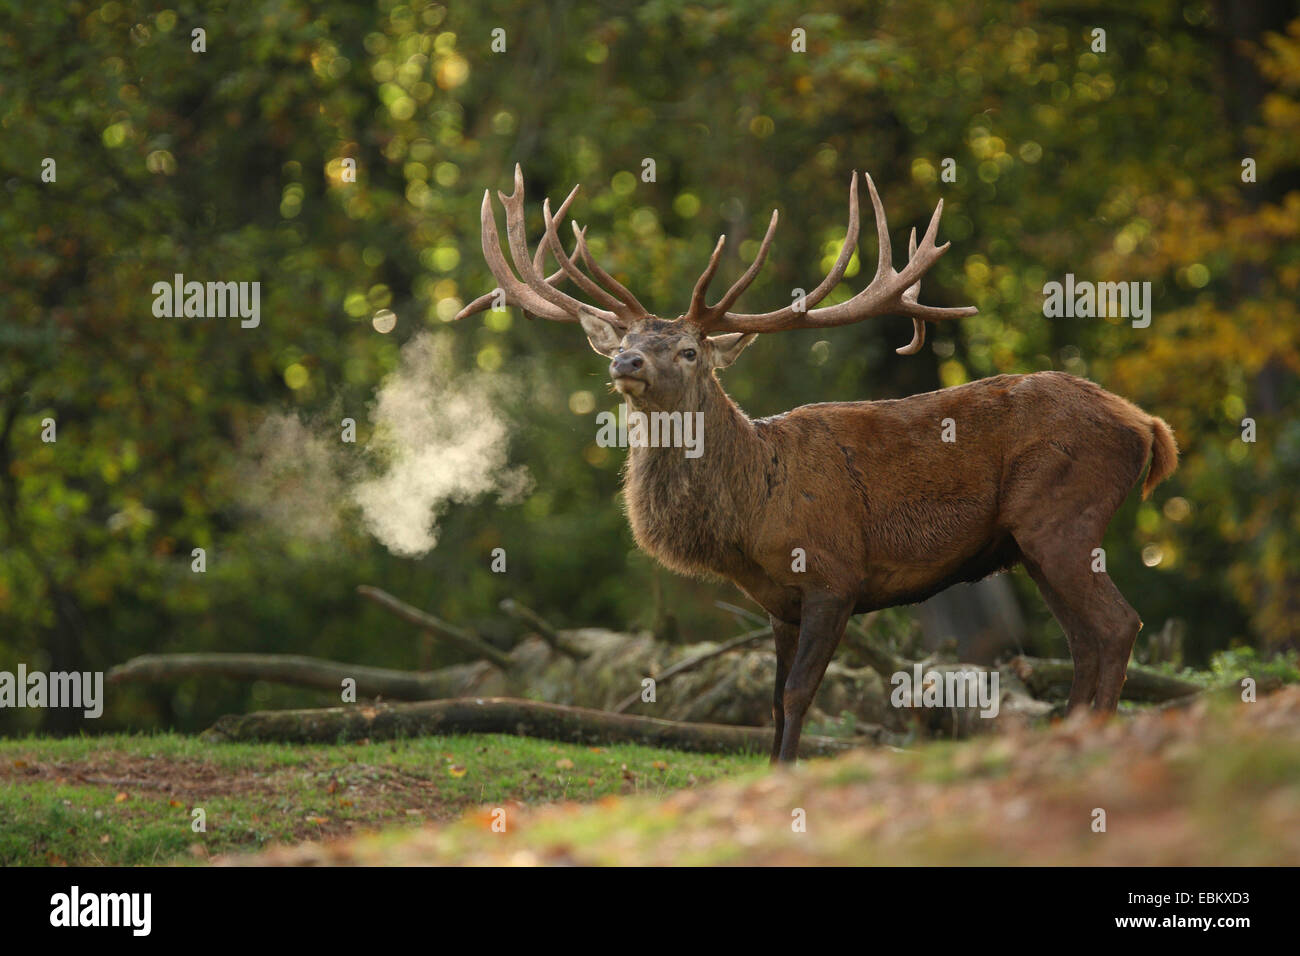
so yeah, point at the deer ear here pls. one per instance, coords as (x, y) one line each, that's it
(602, 334)
(727, 348)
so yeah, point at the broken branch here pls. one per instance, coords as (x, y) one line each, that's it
(466, 641)
(691, 662)
(539, 624)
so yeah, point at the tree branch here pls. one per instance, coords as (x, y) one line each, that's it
(693, 662)
(539, 624)
(466, 641)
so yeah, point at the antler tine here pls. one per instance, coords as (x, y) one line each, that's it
(517, 239)
(772, 321)
(916, 267)
(604, 278)
(573, 272)
(847, 248)
(539, 259)
(930, 253)
(698, 309)
(484, 302)
(515, 291)
(481, 304)
(909, 296)
(885, 258)
(717, 310)
(889, 292)
(535, 295)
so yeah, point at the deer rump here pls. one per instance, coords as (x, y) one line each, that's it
(890, 502)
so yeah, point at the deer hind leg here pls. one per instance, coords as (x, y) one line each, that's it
(787, 640)
(821, 625)
(1121, 624)
(1091, 607)
(1085, 650)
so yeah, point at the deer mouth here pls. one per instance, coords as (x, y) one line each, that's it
(630, 385)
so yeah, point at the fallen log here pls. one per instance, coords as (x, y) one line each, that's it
(299, 671)
(1051, 677)
(503, 715)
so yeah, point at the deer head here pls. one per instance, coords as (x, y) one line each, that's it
(664, 364)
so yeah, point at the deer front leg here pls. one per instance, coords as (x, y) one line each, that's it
(787, 639)
(821, 626)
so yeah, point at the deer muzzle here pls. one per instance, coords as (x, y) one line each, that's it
(627, 372)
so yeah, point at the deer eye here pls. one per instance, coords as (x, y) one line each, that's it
(688, 354)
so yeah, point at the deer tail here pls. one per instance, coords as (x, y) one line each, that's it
(1164, 455)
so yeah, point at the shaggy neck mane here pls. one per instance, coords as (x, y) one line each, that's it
(696, 514)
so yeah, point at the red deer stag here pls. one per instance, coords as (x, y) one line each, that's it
(885, 511)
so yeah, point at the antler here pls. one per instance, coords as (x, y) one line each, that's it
(889, 293)
(535, 294)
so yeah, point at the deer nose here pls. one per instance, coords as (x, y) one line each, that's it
(625, 363)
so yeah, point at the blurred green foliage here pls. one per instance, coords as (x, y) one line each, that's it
(226, 164)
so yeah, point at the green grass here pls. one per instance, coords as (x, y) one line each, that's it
(1215, 784)
(128, 800)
